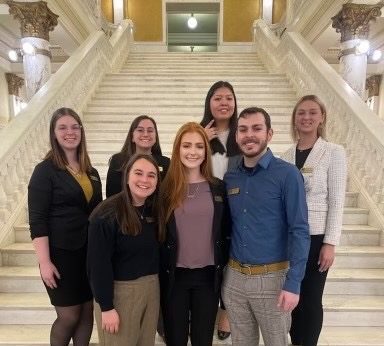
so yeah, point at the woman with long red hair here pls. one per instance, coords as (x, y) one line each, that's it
(197, 240)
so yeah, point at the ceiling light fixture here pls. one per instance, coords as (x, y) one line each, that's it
(192, 22)
(376, 55)
(362, 47)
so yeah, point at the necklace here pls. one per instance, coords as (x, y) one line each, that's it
(192, 194)
(141, 214)
(77, 174)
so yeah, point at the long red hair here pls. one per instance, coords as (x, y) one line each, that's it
(175, 184)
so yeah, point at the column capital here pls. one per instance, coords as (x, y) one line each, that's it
(353, 20)
(35, 18)
(14, 83)
(373, 85)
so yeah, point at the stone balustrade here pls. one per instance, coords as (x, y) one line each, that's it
(350, 122)
(24, 141)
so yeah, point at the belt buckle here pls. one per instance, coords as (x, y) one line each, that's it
(246, 266)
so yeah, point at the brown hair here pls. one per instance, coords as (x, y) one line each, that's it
(56, 153)
(321, 129)
(129, 148)
(121, 208)
(174, 187)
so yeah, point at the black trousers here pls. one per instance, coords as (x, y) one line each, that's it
(307, 317)
(192, 306)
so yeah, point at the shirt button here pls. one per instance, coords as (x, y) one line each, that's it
(245, 210)
(246, 192)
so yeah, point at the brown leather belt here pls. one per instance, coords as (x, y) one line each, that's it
(257, 269)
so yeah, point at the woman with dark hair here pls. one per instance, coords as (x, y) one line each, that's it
(197, 240)
(63, 191)
(324, 168)
(142, 138)
(123, 257)
(219, 122)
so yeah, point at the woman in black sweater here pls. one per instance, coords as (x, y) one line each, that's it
(123, 258)
(142, 138)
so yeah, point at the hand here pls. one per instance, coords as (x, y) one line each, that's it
(48, 272)
(326, 257)
(110, 321)
(287, 301)
(211, 131)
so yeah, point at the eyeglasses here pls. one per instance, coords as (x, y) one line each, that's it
(74, 128)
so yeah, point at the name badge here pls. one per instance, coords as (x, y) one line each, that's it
(234, 191)
(160, 168)
(149, 219)
(218, 199)
(306, 170)
(94, 178)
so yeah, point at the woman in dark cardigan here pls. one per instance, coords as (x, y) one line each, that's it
(142, 138)
(197, 240)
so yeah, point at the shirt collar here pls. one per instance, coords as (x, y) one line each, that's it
(263, 162)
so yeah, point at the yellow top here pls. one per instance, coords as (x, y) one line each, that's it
(84, 182)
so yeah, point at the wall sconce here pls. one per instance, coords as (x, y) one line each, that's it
(192, 22)
(27, 49)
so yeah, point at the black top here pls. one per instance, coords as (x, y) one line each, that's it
(301, 157)
(114, 175)
(58, 207)
(113, 255)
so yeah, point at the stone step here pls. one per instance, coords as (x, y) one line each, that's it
(20, 279)
(186, 96)
(359, 257)
(353, 310)
(355, 281)
(363, 235)
(355, 216)
(38, 335)
(180, 88)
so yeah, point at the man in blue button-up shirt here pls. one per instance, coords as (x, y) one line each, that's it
(270, 237)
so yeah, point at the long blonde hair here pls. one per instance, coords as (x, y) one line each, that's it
(175, 184)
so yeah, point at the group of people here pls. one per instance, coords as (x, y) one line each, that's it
(223, 220)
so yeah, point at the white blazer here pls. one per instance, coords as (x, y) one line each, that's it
(325, 176)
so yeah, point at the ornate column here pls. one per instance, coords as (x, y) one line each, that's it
(353, 24)
(36, 20)
(14, 84)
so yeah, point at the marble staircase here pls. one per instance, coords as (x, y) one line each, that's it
(171, 88)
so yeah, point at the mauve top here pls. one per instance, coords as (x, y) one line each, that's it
(194, 219)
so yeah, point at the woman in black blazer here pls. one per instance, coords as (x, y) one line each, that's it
(197, 240)
(63, 191)
(142, 138)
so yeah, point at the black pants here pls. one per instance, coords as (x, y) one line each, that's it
(307, 317)
(192, 305)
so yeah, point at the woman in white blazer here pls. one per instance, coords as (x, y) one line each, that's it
(324, 168)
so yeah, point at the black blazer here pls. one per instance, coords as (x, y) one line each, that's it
(221, 234)
(114, 175)
(58, 207)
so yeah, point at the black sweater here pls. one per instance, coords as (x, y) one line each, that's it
(113, 255)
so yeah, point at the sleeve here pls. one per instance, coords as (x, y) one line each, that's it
(298, 230)
(114, 176)
(39, 201)
(101, 244)
(337, 179)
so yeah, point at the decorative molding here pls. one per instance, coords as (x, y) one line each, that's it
(353, 20)
(372, 84)
(14, 83)
(36, 19)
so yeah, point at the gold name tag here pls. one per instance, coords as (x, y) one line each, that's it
(307, 170)
(234, 191)
(94, 178)
(149, 219)
(218, 199)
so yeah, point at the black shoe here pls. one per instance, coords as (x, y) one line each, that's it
(222, 334)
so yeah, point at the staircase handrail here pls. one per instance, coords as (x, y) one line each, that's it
(350, 122)
(24, 141)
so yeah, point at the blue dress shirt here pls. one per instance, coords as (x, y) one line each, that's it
(269, 216)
